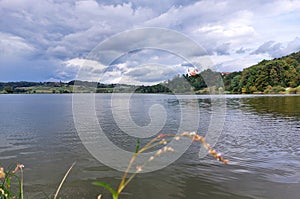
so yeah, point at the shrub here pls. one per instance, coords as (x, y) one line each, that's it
(274, 90)
(6, 188)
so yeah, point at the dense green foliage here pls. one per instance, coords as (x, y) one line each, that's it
(11, 184)
(188, 84)
(270, 76)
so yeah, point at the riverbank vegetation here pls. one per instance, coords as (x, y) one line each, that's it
(280, 75)
(160, 141)
(11, 183)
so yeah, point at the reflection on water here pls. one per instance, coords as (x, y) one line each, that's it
(260, 138)
(278, 105)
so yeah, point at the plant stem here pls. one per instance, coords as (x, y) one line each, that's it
(63, 180)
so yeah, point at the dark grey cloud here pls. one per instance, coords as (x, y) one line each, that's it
(60, 30)
(264, 48)
(276, 50)
(242, 50)
(223, 49)
(158, 6)
(293, 46)
(151, 73)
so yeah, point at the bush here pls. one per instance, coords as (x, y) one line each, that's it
(298, 90)
(291, 91)
(274, 90)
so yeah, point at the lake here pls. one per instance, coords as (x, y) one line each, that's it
(260, 136)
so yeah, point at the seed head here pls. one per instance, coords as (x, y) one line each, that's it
(177, 138)
(138, 168)
(164, 142)
(185, 134)
(18, 167)
(2, 174)
(161, 136)
(170, 149)
(159, 152)
(193, 134)
(225, 161)
(151, 158)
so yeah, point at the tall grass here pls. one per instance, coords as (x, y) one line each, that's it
(7, 191)
(63, 180)
(160, 140)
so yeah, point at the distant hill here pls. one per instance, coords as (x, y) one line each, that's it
(280, 75)
(268, 76)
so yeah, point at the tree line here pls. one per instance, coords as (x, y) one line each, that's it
(268, 76)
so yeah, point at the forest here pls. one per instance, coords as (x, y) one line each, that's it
(280, 75)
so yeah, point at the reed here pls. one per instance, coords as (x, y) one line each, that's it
(7, 189)
(63, 180)
(6, 177)
(160, 140)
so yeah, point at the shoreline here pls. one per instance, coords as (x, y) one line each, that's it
(70, 93)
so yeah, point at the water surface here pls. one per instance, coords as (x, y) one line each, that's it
(260, 137)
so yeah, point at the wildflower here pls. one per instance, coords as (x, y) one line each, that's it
(99, 196)
(177, 138)
(185, 134)
(170, 149)
(2, 174)
(219, 157)
(165, 149)
(18, 167)
(202, 139)
(151, 158)
(197, 138)
(164, 142)
(193, 134)
(138, 168)
(3, 193)
(161, 136)
(212, 152)
(159, 152)
(207, 146)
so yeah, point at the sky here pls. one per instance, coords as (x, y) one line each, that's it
(53, 40)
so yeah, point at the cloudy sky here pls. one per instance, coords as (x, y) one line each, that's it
(48, 40)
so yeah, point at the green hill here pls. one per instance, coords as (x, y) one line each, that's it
(280, 75)
(268, 76)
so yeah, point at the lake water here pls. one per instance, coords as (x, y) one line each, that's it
(260, 137)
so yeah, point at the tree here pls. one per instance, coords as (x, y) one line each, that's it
(8, 89)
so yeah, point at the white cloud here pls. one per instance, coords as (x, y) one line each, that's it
(292, 46)
(57, 30)
(279, 49)
(234, 62)
(82, 69)
(280, 7)
(147, 74)
(84, 63)
(13, 46)
(231, 31)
